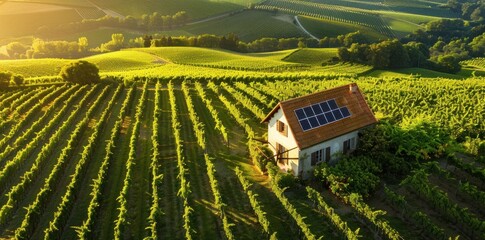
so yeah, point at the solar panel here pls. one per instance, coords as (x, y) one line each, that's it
(345, 111)
(333, 104)
(337, 114)
(321, 119)
(320, 114)
(325, 106)
(308, 111)
(305, 125)
(329, 116)
(314, 122)
(316, 109)
(300, 114)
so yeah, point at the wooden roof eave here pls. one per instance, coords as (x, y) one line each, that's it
(270, 115)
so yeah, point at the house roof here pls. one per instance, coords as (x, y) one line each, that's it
(348, 96)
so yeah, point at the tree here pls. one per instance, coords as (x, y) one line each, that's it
(301, 44)
(478, 45)
(343, 54)
(15, 49)
(83, 44)
(116, 43)
(449, 63)
(5, 79)
(354, 37)
(147, 41)
(418, 53)
(17, 79)
(82, 72)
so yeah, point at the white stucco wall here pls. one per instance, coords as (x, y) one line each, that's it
(288, 142)
(303, 165)
(336, 145)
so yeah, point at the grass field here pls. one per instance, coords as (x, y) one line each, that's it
(111, 62)
(25, 26)
(124, 60)
(250, 25)
(92, 115)
(186, 61)
(412, 72)
(312, 56)
(195, 9)
(75, 3)
(43, 67)
(216, 58)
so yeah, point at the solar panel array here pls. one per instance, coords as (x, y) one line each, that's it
(320, 114)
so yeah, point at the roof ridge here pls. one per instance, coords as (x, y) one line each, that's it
(315, 93)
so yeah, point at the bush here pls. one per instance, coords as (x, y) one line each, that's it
(5, 79)
(350, 175)
(283, 180)
(18, 79)
(82, 72)
(260, 155)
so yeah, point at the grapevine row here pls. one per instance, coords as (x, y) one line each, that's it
(156, 176)
(233, 110)
(55, 229)
(15, 164)
(418, 182)
(340, 224)
(214, 113)
(9, 96)
(198, 126)
(184, 192)
(122, 222)
(14, 104)
(255, 93)
(255, 203)
(27, 134)
(36, 209)
(200, 134)
(34, 109)
(33, 96)
(86, 230)
(419, 219)
(246, 102)
(298, 218)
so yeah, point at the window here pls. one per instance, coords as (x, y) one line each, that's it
(349, 145)
(346, 146)
(320, 155)
(282, 153)
(282, 128)
(317, 157)
(352, 143)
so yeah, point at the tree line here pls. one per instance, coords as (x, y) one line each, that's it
(147, 22)
(440, 46)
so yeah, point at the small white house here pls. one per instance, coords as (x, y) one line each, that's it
(307, 130)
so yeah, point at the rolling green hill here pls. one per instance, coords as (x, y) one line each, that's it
(215, 58)
(326, 28)
(250, 25)
(196, 9)
(312, 56)
(184, 61)
(109, 62)
(412, 72)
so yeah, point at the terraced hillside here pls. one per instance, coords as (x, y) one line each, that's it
(164, 159)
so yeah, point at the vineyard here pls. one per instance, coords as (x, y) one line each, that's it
(330, 12)
(171, 159)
